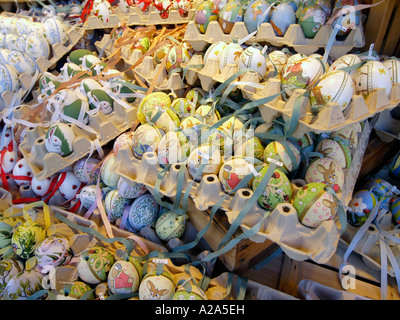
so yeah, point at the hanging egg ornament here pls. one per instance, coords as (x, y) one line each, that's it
(157, 287)
(336, 150)
(395, 210)
(277, 59)
(232, 12)
(348, 134)
(281, 17)
(311, 18)
(230, 55)
(172, 148)
(115, 204)
(37, 46)
(131, 190)
(43, 187)
(55, 31)
(26, 238)
(314, 205)
(206, 157)
(9, 268)
(254, 13)
(74, 291)
(195, 294)
(87, 196)
(23, 285)
(70, 185)
(124, 139)
(165, 120)
(205, 12)
(85, 169)
(350, 20)
(327, 171)
(94, 264)
(207, 114)
(149, 103)
(100, 100)
(253, 58)
(146, 138)
(183, 107)
(22, 172)
(170, 225)
(53, 251)
(381, 188)
(394, 167)
(292, 59)
(284, 152)
(6, 229)
(59, 139)
(22, 62)
(232, 172)
(360, 206)
(194, 95)
(345, 61)
(142, 213)
(250, 148)
(393, 66)
(124, 276)
(182, 6)
(107, 172)
(102, 10)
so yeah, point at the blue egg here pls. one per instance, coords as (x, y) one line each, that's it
(394, 169)
(281, 17)
(360, 206)
(395, 210)
(252, 16)
(378, 186)
(347, 20)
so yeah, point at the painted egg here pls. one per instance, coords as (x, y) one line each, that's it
(232, 172)
(191, 122)
(6, 229)
(157, 287)
(230, 55)
(142, 213)
(76, 110)
(102, 10)
(395, 210)
(251, 148)
(35, 27)
(379, 187)
(394, 167)
(70, 184)
(195, 293)
(170, 225)
(2, 40)
(252, 58)
(54, 251)
(278, 59)
(232, 124)
(277, 148)
(164, 7)
(26, 238)
(43, 187)
(76, 56)
(335, 86)
(232, 12)
(371, 76)
(345, 61)
(176, 55)
(281, 17)
(348, 134)
(74, 291)
(59, 139)
(124, 276)
(207, 158)
(99, 99)
(311, 18)
(194, 95)
(4, 55)
(9, 268)
(208, 114)
(37, 46)
(22, 172)
(292, 59)
(205, 12)
(303, 74)
(131, 190)
(183, 107)
(121, 88)
(172, 148)
(48, 83)
(9, 80)
(124, 5)
(314, 205)
(146, 138)
(88, 195)
(94, 264)
(148, 104)
(87, 61)
(23, 285)
(336, 150)
(22, 26)
(350, 20)
(360, 206)
(122, 140)
(278, 190)
(55, 31)
(215, 51)
(165, 119)
(11, 42)
(69, 70)
(182, 6)
(253, 14)
(115, 205)
(107, 172)
(394, 69)
(327, 171)
(9, 160)
(305, 142)
(84, 169)
(22, 62)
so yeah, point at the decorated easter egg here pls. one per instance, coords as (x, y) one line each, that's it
(4, 55)
(215, 51)
(394, 69)
(394, 167)
(12, 43)
(232, 12)
(142, 213)
(76, 56)
(107, 172)
(232, 172)
(35, 27)
(335, 86)
(277, 191)
(84, 169)
(205, 12)
(165, 120)
(100, 100)
(250, 147)
(207, 114)
(204, 157)
(102, 10)
(172, 148)
(22, 26)
(124, 139)
(191, 122)
(115, 205)
(59, 139)
(230, 55)
(395, 210)
(146, 138)
(350, 20)
(8, 78)
(124, 5)
(170, 225)
(303, 74)
(314, 205)
(23, 285)
(182, 6)
(22, 62)
(22, 173)
(252, 58)
(360, 206)
(281, 17)
(348, 134)
(148, 104)
(87, 196)
(43, 187)
(336, 150)
(76, 110)
(292, 59)
(287, 154)
(124, 276)
(55, 31)
(121, 88)
(48, 83)
(87, 62)
(70, 185)
(69, 69)
(6, 229)
(311, 18)
(233, 124)
(54, 251)
(74, 291)
(157, 287)
(131, 190)
(195, 293)
(26, 238)
(327, 171)
(9, 268)
(9, 160)
(183, 107)
(177, 56)
(277, 59)
(381, 188)
(37, 46)
(253, 16)
(163, 7)
(306, 141)
(345, 61)
(194, 95)
(371, 76)
(94, 264)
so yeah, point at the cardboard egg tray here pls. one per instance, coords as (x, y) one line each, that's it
(294, 37)
(43, 164)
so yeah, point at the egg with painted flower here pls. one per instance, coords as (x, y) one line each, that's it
(195, 293)
(8, 269)
(345, 61)
(393, 66)
(253, 58)
(37, 46)
(173, 148)
(53, 251)
(149, 103)
(214, 51)
(203, 160)
(23, 285)
(131, 190)
(101, 9)
(26, 238)
(360, 207)
(75, 291)
(232, 12)
(9, 80)
(22, 62)
(55, 31)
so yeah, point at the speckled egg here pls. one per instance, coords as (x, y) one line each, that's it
(327, 171)
(74, 291)
(232, 12)
(102, 10)
(170, 225)
(208, 158)
(277, 148)
(311, 18)
(142, 213)
(84, 169)
(37, 46)
(172, 148)
(59, 139)
(146, 138)
(281, 17)
(23, 285)
(252, 58)
(348, 134)
(107, 172)
(336, 150)
(394, 69)
(131, 190)
(205, 12)
(232, 172)
(360, 206)
(148, 104)
(345, 61)
(278, 189)
(124, 276)
(157, 287)
(9, 160)
(115, 205)
(9, 80)
(253, 14)
(195, 294)
(314, 205)
(22, 172)
(26, 238)
(94, 264)
(9, 268)
(54, 251)
(371, 76)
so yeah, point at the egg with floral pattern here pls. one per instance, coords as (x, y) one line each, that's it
(54, 251)
(327, 171)
(149, 103)
(115, 204)
(9, 80)
(287, 154)
(23, 285)
(8, 269)
(142, 213)
(170, 225)
(131, 190)
(360, 206)
(205, 12)
(26, 238)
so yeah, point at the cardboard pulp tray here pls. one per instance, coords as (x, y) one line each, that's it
(294, 37)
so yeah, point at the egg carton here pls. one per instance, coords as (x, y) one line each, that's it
(44, 164)
(294, 38)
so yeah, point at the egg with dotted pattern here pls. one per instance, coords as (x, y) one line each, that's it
(70, 185)
(170, 225)
(360, 207)
(336, 150)
(327, 171)
(43, 187)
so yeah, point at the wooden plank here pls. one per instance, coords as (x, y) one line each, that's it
(392, 38)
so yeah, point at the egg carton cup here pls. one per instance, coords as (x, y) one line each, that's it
(44, 164)
(294, 37)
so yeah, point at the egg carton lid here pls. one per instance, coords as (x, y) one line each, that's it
(44, 164)
(294, 37)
